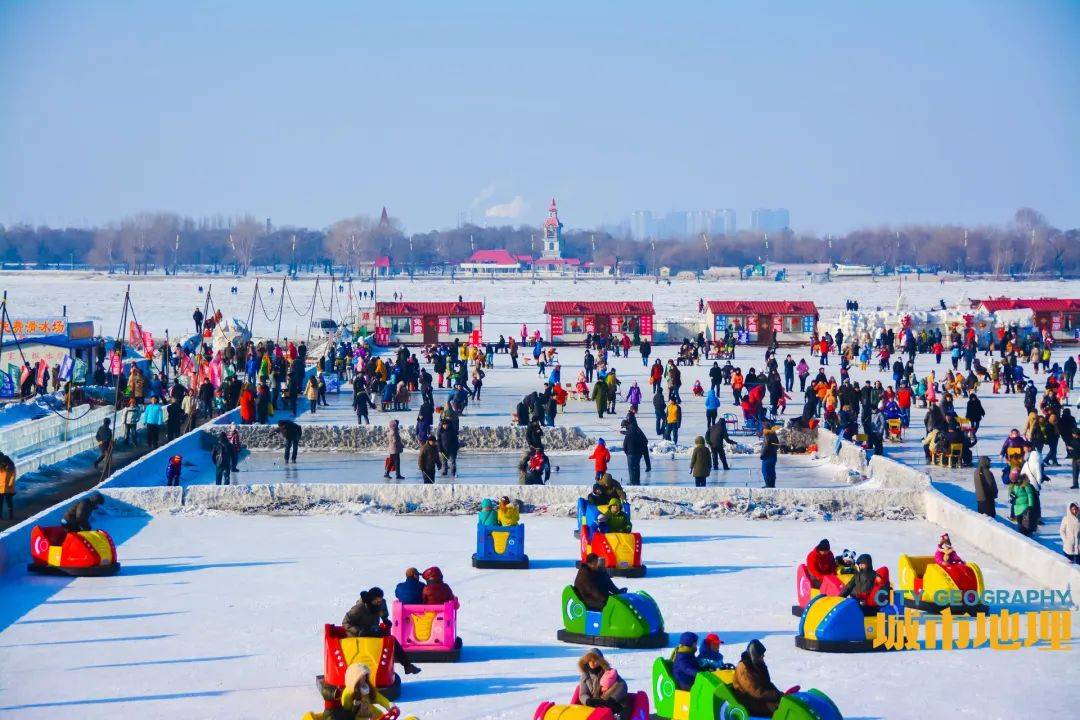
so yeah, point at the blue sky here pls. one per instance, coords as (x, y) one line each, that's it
(847, 113)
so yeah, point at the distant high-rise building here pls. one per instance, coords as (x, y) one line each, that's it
(681, 223)
(641, 224)
(770, 220)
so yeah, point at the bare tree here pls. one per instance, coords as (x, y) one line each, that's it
(244, 237)
(349, 241)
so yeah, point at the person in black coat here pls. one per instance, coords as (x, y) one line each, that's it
(449, 444)
(593, 584)
(291, 431)
(222, 455)
(716, 438)
(636, 447)
(361, 405)
(975, 412)
(534, 435)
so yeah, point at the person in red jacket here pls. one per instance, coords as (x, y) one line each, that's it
(436, 592)
(247, 405)
(601, 456)
(820, 562)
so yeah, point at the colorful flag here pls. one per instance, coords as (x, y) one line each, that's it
(39, 374)
(135, 335)
(7, 384)
(79, 373)
(116, 365)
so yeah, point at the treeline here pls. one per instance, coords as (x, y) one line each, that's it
(148, 242)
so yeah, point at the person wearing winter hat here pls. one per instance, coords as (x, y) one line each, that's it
(360, 697)
(606, 489)
(600, 456)
(945, 555)
(600, 685)
(1070, 533)
(411, 590)
(820, 562)
(866, 583)
(709, 657)
(700, 462)
(436, 592)
(684, 661)
(508, 512)
(752, 685)
(488, 516)
(615, 519)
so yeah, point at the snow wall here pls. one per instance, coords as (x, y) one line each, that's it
(558, 500)
(372, 438)
(1040, 563)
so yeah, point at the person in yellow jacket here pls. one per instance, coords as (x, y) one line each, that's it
(7, 485)
(508, 512)
(674, 420)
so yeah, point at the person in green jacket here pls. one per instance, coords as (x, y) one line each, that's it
(600, 397)
(700, 462)
(1023, 506)
(489, 516)
(617, 521)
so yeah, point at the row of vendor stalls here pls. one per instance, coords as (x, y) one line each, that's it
(573, 321)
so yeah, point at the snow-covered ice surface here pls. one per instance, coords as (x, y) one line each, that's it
(222, 617)
(221, 614)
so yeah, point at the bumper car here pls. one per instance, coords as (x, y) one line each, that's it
(427, 632)
(805, 590)
(639, 709)
(500, 548)
(619, 553)
(587, 515)
(629, 620)
(837, 625)
(56, 551)
(711, 698)
(931, 587)
(340, 651)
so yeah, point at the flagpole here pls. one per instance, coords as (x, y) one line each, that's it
(3, 321)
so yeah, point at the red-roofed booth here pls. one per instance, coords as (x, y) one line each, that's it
(1061, 316)
(416, 323)
(569, 321)
(787, 321)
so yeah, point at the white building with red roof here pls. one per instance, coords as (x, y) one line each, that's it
(570, 321)
(428, 322)
(761, 321)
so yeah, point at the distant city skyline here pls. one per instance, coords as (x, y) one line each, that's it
(849, 114)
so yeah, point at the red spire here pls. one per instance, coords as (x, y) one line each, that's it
(552, 209)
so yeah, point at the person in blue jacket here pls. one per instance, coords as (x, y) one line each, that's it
(489, 516)
(410, 592)
(684, 661)
(709, 657)
(712, 407)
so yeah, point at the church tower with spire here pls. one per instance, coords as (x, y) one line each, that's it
(553, 240)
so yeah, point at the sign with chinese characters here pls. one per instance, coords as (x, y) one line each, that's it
(646, 326)
(444, 325)
(808, 323)
(417, 325)
(590, 324)
(40, 326)
(556, 325)
(751, 323)
(778, 323)
(382, 335)
(720, 323)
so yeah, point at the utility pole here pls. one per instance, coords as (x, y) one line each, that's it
(175, 255)
(281, 306)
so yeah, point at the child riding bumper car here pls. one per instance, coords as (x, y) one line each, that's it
(821, 574)
(619, 552)
(932, 587)
(427, 632)
(55, 550)
(628, 620)
(340, 651)
(357, 699)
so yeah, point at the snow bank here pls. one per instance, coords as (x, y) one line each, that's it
(830, 447)
(992, 537)
(556, 500)
(372, 438)
(1002, 542)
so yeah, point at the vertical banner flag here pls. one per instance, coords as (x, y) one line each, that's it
(66, 366)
